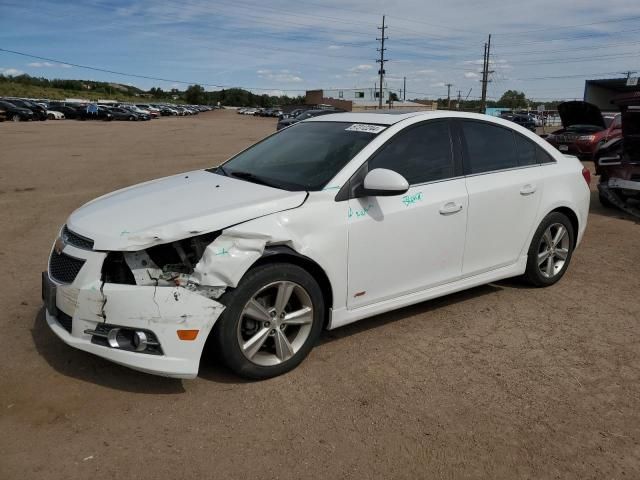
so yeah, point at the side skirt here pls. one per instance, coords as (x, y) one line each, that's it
(344, 316)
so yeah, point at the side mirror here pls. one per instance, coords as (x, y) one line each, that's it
(381, 182)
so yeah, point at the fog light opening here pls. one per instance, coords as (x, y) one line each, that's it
(112, 338)
(139, 341)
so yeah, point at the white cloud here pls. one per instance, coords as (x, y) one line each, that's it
(437, 84)
(335, 47)
(361, 68)
(47, 65)
(279, 75)
(12, 72)
(471, 75)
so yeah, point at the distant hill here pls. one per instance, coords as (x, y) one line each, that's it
(58, 89)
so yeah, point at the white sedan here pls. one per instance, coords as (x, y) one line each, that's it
(55, 115)
(327, 222)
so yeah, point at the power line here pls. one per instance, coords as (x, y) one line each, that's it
(146, 77)
(577, 25)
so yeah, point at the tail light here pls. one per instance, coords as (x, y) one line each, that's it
(587, 175)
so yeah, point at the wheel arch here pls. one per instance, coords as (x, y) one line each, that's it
(283, 253)
(572, 216)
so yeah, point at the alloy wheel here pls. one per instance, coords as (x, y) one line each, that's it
(275, 323)
(553, 250)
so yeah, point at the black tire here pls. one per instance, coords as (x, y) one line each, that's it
(533, 274)
(225, 333)
(132, 118)
(16, 118)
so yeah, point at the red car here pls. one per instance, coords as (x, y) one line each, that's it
(584, 130)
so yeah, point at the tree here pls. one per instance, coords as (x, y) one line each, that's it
(513, 99)
(195, 95)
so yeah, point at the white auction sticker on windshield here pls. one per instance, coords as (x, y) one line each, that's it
(365, 127)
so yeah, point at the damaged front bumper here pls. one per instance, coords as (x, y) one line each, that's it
(83, 311)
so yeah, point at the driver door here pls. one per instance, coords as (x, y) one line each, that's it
(410, 242)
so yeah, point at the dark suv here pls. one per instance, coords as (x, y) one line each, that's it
(523, 120)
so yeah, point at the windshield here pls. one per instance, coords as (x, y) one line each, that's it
(302, 157)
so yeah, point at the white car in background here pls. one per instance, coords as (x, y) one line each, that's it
(54, 115)
(329, 221)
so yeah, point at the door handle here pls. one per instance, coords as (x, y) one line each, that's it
(528, 189)
(450, 208)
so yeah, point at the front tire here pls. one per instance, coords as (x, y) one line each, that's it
(271, 322)
(550, 250)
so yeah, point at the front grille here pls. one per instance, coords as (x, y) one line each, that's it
(64, 320)
(64, 268)
(76, 240)
(566, 138)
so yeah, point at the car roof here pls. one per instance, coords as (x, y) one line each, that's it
(390, 117)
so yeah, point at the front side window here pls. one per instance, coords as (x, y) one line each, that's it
(420, 154)
(488, 147)
(302, 157)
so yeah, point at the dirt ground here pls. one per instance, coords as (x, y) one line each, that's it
(499, 382)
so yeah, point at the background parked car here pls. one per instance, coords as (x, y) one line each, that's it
(521, 119)
(16, 113)
(69, 111)
(3, 114)
(39, 112)
(584, 129)
(123, 114)
(285, 122)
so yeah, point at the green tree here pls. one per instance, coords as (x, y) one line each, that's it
(195, 95)
(513, 99)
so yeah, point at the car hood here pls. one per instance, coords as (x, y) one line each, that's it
(176, 207)
(580, 113)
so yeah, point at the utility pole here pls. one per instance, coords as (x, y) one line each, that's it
(404, 90)
(459, 104)
(449, 85)
(485, 75)
(381, 60)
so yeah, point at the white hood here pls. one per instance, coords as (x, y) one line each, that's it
(173, 208)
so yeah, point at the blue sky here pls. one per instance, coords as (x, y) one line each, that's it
(280, 46)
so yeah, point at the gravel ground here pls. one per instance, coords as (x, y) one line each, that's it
(498, 382)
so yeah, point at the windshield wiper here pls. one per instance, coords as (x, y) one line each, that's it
(220, 169)
(253, 178)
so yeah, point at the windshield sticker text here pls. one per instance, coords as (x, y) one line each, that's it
(365, 127)
(411, 199)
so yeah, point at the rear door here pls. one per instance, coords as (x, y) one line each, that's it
(504, 182)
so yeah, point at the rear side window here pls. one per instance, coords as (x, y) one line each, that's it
(527, 154)
(543, 157)
(420, 154)
(488, 147)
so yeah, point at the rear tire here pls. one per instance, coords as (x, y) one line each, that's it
(15, 118)
(271, 322)
(550, 250)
